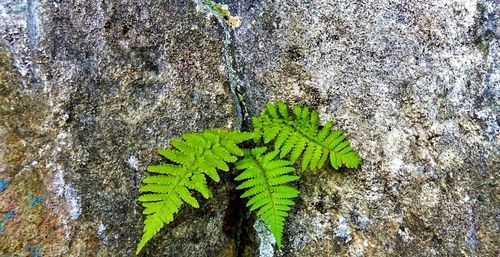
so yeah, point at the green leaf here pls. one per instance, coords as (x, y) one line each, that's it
(299, 135)
(193, 156)
(265, 181)
(283, 109)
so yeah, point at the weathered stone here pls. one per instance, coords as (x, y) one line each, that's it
(416, 86)
(89, 90)
(96, 89)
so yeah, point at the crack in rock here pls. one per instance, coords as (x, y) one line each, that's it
(227, 23)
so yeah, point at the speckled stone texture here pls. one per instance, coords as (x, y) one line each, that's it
(416, 86)
(90, 89)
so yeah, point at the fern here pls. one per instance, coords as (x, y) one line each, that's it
(298, 134)
(194, 156)
(265, 176)
(264, 179)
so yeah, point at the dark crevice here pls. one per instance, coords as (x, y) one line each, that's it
(233, 77)
(232, 216)
(239, 90)
(237, 224)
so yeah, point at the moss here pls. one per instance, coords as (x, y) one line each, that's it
(222, 10)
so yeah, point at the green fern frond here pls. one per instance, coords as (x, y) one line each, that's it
(264, 180)
(193, 157)
(298, 134)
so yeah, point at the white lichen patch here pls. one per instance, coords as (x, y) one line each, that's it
(20, 22)
(309, 227)
(405, 234)
(60, 187)
(74, 206)
(66, 191)
(342, 230)
(133, 162)
(266, 239)
(101, 229)
(490, 118)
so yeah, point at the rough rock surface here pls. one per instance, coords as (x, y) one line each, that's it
(416, 85)
(96, 88)
(90, 89)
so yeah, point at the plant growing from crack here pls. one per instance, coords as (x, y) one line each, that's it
(281, 137)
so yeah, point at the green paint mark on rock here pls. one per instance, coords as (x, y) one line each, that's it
(5, 220)
(35, 200)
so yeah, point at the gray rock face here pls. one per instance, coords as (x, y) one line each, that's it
(96, 89)
(89, 90)
(416, 85)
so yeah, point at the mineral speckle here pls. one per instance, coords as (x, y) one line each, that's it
(89, 90)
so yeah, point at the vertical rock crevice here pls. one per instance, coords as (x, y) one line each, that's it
(237, 223)
(235, 83)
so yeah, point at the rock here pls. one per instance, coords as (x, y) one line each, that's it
(89, 90)
(416, 86)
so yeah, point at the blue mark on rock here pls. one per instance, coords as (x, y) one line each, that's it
(35, 200)
(3, 185)
(36, 251)
(5, 220)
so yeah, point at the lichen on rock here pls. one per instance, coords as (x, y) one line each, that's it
(222, 10)
(90, 89)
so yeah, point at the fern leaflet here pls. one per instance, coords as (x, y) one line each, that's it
(298, 134)
(265, 183)
(194, 156)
